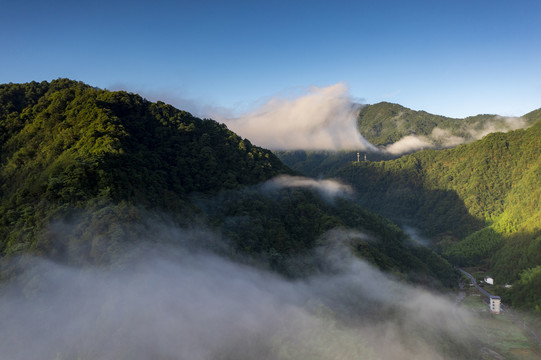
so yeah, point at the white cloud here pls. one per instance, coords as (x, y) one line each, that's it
(500, 123)
(445, 138)
(407, 144)
(323, 119)
(327, 188)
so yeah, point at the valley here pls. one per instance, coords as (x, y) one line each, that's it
(116, 211)
(505, 335)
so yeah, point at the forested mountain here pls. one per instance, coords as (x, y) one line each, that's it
(385, 123)
(479, 201)
(85, 173)
(66, 144)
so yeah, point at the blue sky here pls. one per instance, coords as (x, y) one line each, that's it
(448, 57)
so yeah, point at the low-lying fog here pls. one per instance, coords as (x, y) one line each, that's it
(185, 302)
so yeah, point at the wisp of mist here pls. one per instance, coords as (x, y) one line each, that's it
(327, 188)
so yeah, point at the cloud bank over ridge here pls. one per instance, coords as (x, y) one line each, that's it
(325, 118)
(444, 138)
(322, 119)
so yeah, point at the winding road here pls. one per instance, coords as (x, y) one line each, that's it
(475, 284)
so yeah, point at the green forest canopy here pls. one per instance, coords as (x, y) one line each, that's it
(478, 201)
(85, 172)
(385, 123)
(65, 144)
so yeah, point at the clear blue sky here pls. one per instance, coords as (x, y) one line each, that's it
(449, 57)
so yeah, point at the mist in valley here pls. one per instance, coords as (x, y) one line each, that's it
(189, 302)
(327, 188)
(171, 219)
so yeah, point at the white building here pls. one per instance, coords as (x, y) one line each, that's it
(495, 302)
(489, 280)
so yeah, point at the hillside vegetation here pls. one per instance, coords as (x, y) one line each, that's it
(323, 163)
(385, 123)
(87, 173)
(66, 145)
(479, 201)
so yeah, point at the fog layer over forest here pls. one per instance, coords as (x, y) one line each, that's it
(186, 302)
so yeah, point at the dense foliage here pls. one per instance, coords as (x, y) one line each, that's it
(480, 201)
(65, 144)
(284, 226)
(527, 291)
(322, 163)
(86, 173)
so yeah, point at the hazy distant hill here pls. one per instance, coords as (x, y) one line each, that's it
(86, 173)
(385, 123)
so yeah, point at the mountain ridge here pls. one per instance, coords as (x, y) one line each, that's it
(85, 170)
(385, 123)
